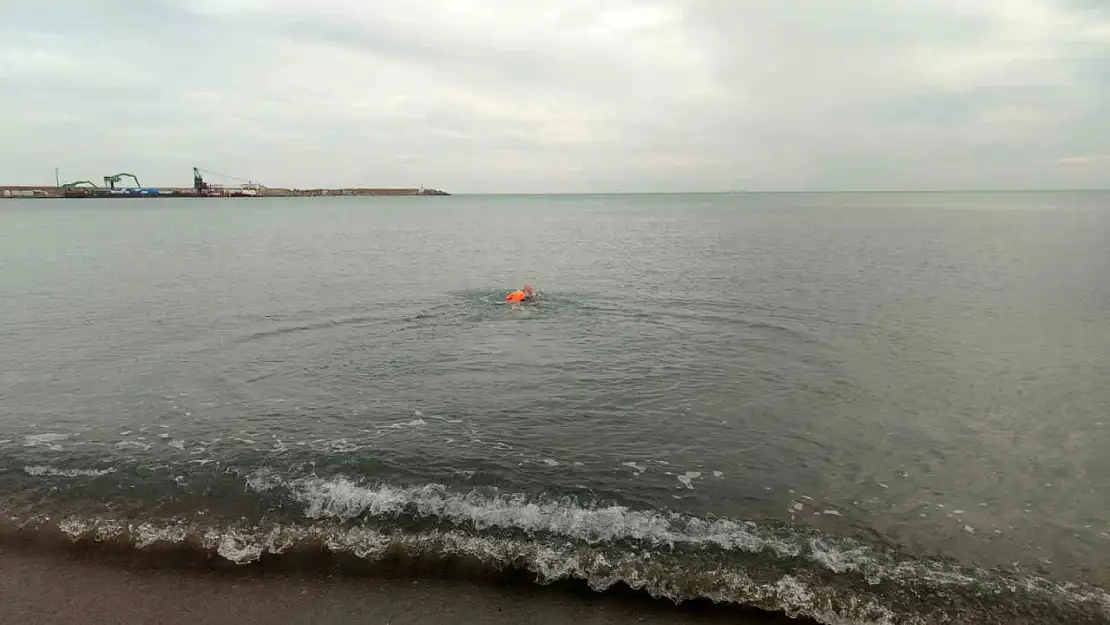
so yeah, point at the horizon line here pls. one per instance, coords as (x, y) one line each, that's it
(684, 192)
(799, 191)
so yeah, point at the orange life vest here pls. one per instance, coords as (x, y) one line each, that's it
(515, 296)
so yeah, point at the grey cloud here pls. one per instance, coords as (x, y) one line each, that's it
(1095, 8)
(719, 94)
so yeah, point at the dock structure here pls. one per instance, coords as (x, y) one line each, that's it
(28, 191)
(84, 189)
(44, 191)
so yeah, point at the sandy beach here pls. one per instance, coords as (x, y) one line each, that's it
(49, 588)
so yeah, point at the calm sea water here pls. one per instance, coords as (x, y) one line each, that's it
(863, 407)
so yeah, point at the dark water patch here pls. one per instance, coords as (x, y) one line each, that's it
(308, 327)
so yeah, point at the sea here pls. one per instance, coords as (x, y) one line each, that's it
(848, 407)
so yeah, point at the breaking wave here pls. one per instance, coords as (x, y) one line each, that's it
(668, 555)
(43, 470)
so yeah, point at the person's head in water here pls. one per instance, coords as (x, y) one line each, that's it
(521, 295)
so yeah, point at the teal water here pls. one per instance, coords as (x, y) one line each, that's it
(855, 406)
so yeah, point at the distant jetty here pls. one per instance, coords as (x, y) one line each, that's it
(85, 189)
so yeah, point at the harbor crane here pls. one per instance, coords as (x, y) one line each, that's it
(203, 187)
(112, 180)
(199, 185)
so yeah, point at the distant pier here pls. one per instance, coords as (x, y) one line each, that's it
(50, 191)
(87, 189)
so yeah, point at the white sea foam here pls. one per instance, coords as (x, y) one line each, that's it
(341, 445)
(264, 480)
(48, 439)
(406, 424)
(636, 467)
(132, 445)
(688, 478)
(343, 499)
(43, 470)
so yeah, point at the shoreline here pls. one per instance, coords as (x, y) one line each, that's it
(75, 588)
(70, 191)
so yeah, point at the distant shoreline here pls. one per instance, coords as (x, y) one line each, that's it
(74, 192)
(50, 191)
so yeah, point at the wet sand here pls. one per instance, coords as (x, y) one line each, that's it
(48, 588)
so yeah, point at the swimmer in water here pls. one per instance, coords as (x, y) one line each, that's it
(525, 294)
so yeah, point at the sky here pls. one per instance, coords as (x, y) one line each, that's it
(560, 96)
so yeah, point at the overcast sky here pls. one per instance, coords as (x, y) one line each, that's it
(560, 95)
